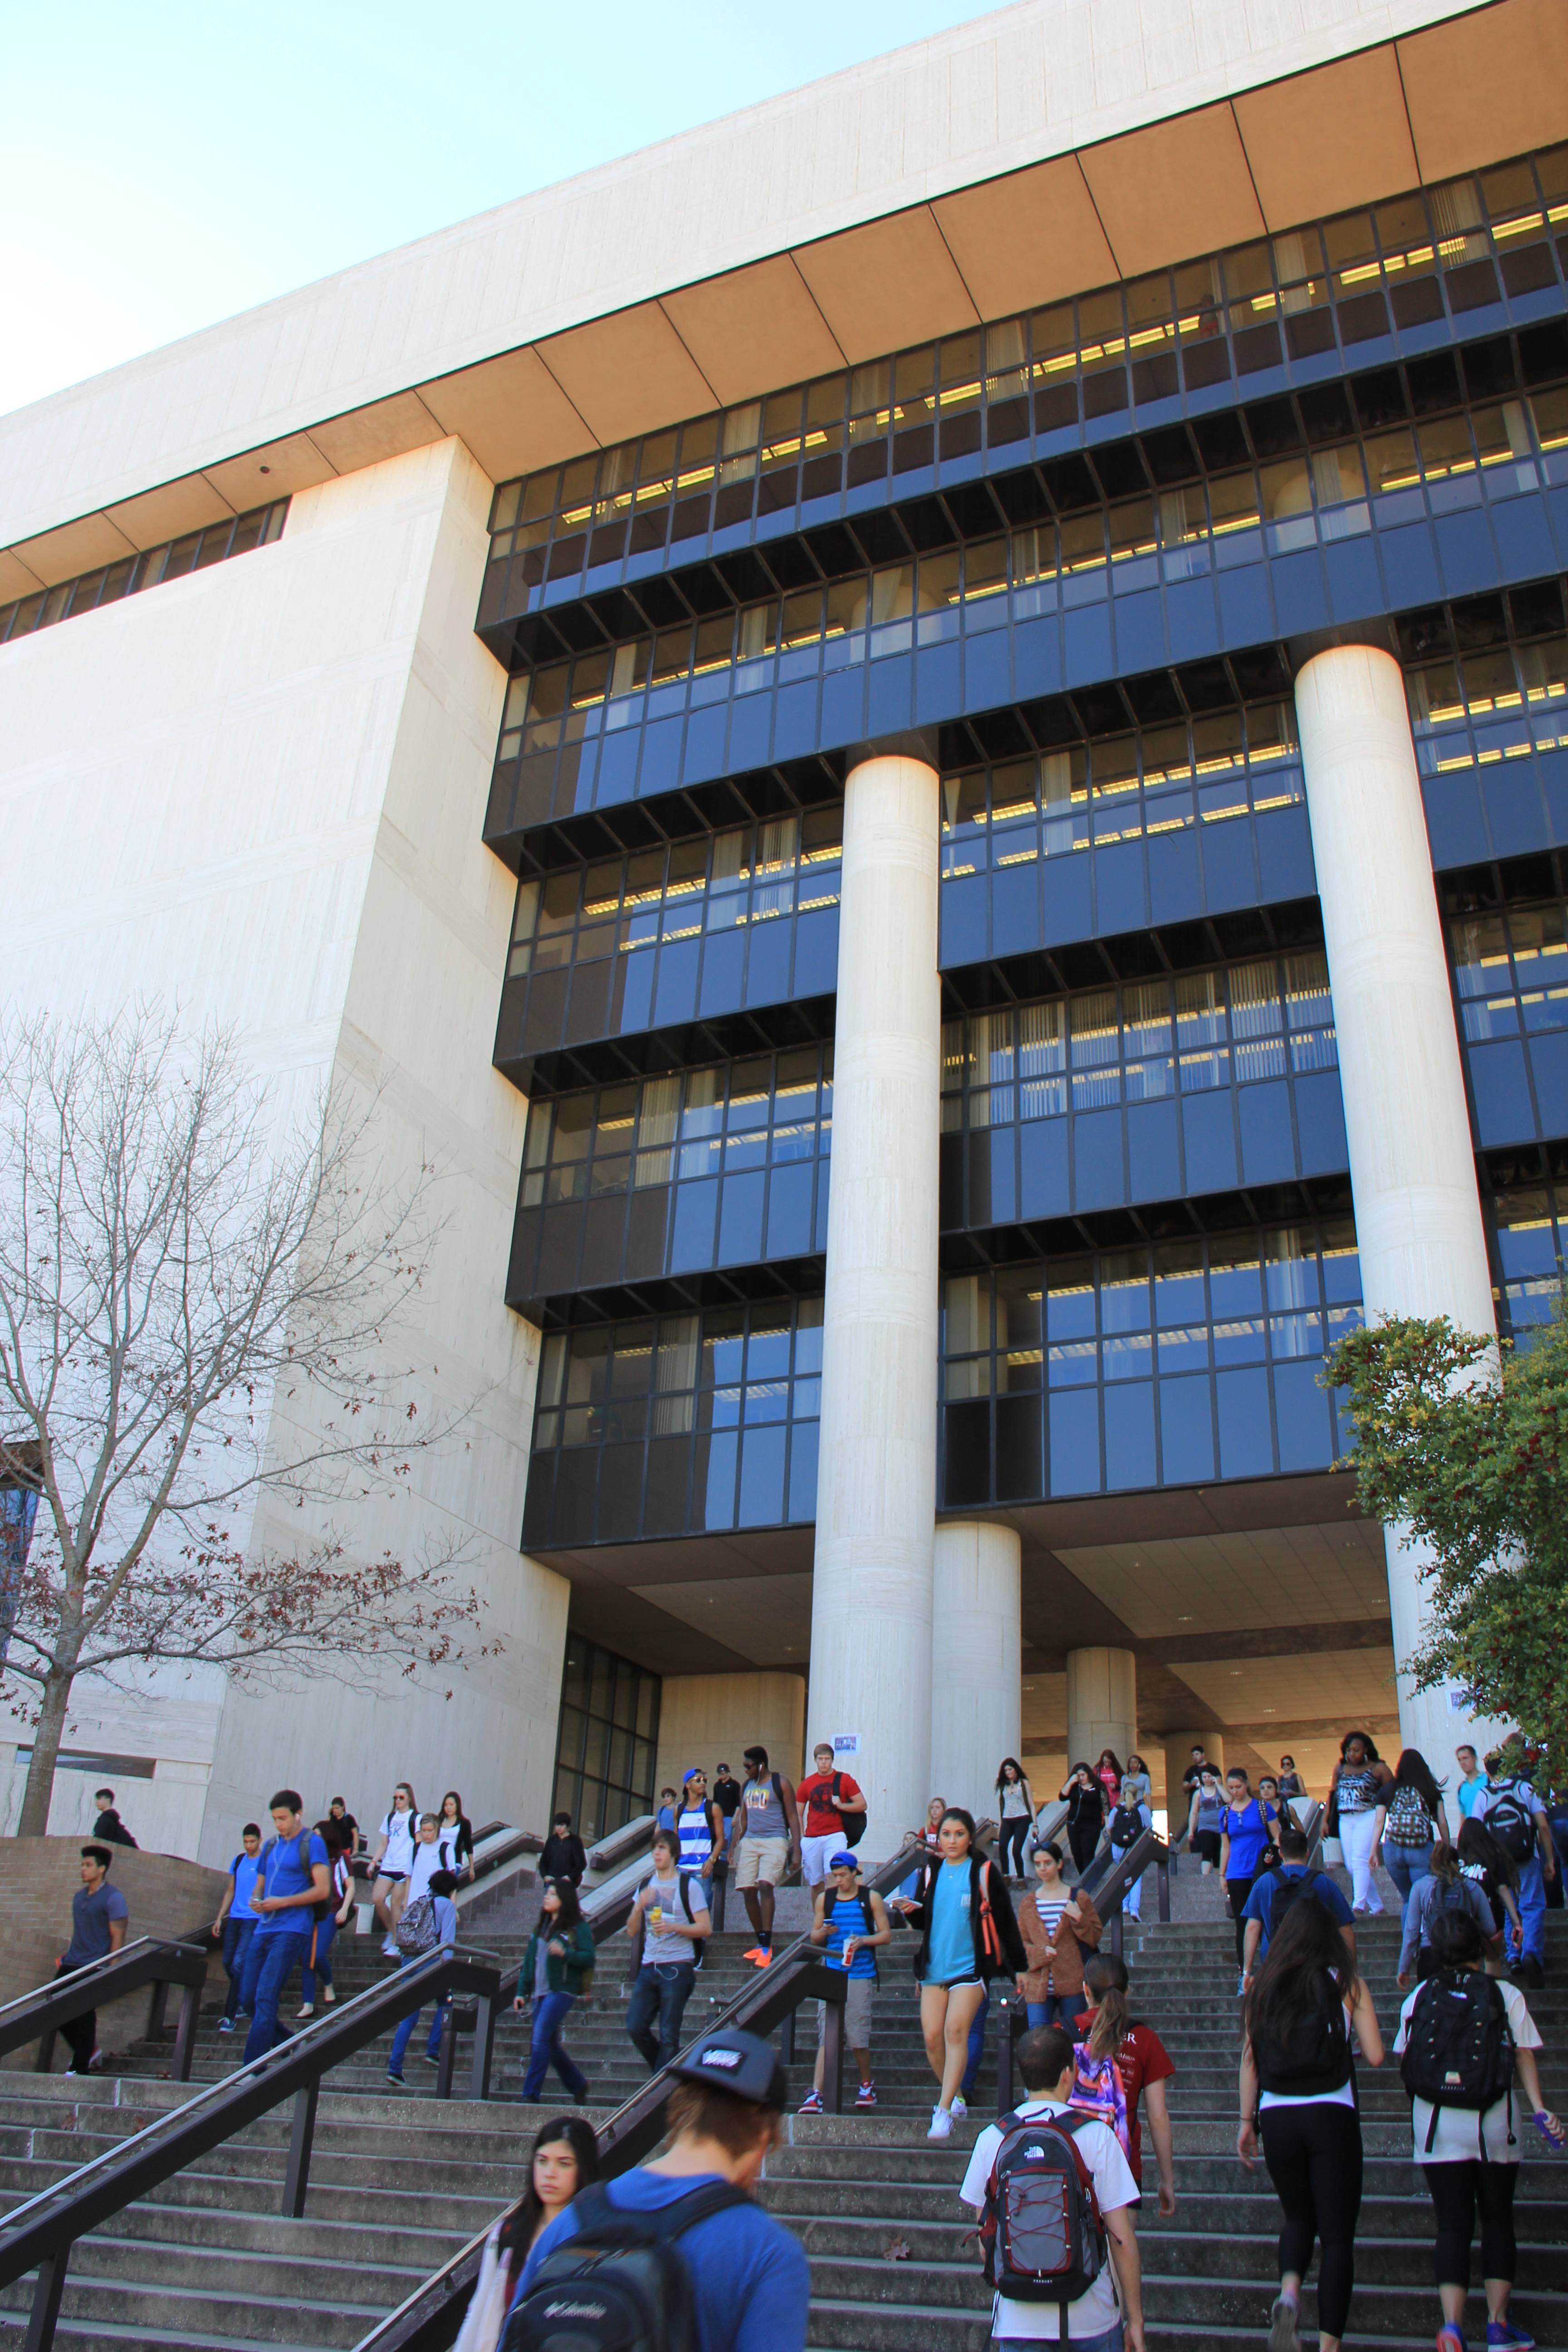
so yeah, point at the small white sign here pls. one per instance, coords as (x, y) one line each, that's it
(1457, 1701)
(846, 1743)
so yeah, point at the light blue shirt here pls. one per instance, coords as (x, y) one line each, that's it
(950, 1956)
(1470, 1794)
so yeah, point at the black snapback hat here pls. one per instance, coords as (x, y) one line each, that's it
(738, 2062)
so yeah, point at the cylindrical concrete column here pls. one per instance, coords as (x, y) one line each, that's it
(1178, 1747)
(876, 1481)
(1102, 1705)
(1413, 1171)
(976, 1661)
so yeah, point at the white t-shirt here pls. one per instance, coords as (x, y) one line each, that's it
(1094, 2312)
(1461, 2129)
(427, 1860)
(400, 1831)
(666, 1893)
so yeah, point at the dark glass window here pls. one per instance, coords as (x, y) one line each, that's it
(606, 1742)
(236, 536)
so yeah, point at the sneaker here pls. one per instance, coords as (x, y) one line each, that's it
(1449, 2339)
(763, 1957)
(754, 1954)
(428, 2060)
(866, 2096)
(388, 1949)
(810, 2105)
(95, 2064)
(328, 1995)
(397, 2079)
(225, 2025)
(1502, 2336)
(307, 2011)
(1284, 2325)
(940, 2124)
(959, 2107)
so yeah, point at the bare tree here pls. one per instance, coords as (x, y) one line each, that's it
(198, 1305)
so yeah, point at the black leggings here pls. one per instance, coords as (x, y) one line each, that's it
(1456, 2190)
(1014, 1830)
(1083, 1838)
(1313, 2155)
(1237, 1891)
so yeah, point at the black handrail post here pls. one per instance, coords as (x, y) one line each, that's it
(44, 2062)
(787, 2039)
(47, 2298)
(1116, 1934)
(447, 2058)
(832, 2055)
(185, 2032)
(295, 2178)
(1166, 1865)
(156, 2015)
(484, 2046)
(1007, 2017)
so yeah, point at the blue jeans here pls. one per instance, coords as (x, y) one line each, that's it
(976, 2045)
(550, 2010)
(1407, 1866)
(326, 1929)
(1063, 2008)
(1532, 1900)
(404, 2034)
(1131, 1899)
(662, 1990)
(236, 1937)
(269, 1965)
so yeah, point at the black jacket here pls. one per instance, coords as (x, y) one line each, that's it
(1014, 1960)
(110, 1830)
(563, 1857)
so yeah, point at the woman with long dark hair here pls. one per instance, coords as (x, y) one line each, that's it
(1108, 2029)
(1444, 1891)
(1298, 2085)
(1484, 1861)
(963, 1915)
(457, 1831)
(1015, 1811)
(1085, 1814)
(557, 1970)
(1108, 1772)
(1357, 1794)
(1060, 1928)
(1413, 1823)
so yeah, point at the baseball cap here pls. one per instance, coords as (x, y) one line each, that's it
(738, 2062)
(842, 1862)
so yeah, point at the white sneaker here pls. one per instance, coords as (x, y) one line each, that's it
(940, 2124)
(959, 2107)
(389, 1950)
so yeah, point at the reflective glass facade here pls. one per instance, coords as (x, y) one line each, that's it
(235, 536)
(606, 1742)
(1075, 560)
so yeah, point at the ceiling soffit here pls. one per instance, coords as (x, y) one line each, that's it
(1471, 90)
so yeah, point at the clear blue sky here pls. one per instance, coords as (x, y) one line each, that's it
(168, 165)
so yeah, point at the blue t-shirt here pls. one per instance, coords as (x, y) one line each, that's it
(1248, 1833)
(93, 1913)
(847, 1915)
(1470, 1794)
(1260, 1903)
(750, 2275)
(950, 1956)
(282, 1874)
(245, 1866)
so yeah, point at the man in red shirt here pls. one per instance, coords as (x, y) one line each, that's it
(1141, 2061)
(828, 1802)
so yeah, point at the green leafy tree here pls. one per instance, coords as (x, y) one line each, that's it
(1467, 1444)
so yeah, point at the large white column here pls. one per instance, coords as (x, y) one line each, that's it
(876, 1482)
(976, 1662)
(1413, 1171)
(1102, 1705)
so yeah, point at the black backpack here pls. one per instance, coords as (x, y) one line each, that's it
(1288, 1892)
(1041, 2234)
(621, 2283)
(1513, 1825)
(1315, 2056)
(852, 1824)
(1126, 1825)
(1458, 2052)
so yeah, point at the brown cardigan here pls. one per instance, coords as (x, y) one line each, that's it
(1066, 1971)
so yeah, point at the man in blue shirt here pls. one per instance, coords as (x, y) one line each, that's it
(1518, 1819)
(1258, 1912)
(235, 1921)
(99, 1914)
(293, 1877)
(749, 2275)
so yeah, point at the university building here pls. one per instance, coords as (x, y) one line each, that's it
(923, 737)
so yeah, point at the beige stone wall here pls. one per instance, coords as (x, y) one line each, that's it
(167, 1895)
(709, 1718)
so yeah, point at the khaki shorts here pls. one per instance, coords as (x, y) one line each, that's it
(857, 2013)
(760, 1861)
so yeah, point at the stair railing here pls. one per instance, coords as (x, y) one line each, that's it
(430, 2318)
(41, 2234)
(1315, 1826)
(1150, 1851)
(157, 1960)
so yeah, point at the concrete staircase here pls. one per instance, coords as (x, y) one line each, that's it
(207, 2263)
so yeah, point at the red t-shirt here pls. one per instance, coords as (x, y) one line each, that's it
(814, 1795)
(1142, 2059)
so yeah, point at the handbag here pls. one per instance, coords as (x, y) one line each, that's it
(486, 2314)
(1333, 1854)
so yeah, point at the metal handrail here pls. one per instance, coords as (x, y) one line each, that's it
(1315, 1826)
(429, 2320)
(42, 2234)
(160, 1960)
